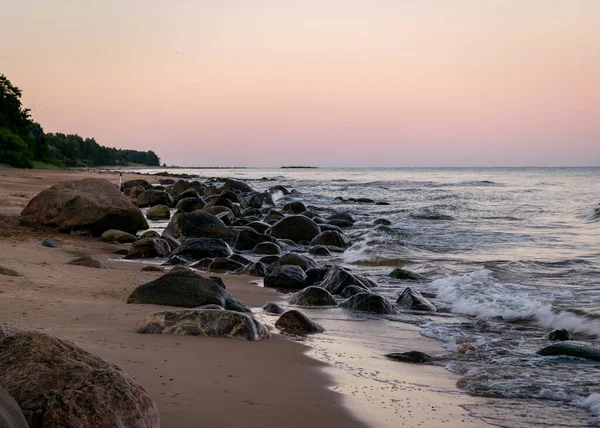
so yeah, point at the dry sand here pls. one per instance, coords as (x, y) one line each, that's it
(195, 381)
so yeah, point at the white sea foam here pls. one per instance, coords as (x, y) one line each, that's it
(480, 295)
(591, 402)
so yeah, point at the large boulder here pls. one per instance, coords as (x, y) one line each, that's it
(369, 302)
(11, 415)
(58, 384)
(200, 248)
(400, 273)
(573, 349)
(331, 238)
(297, 260)
(295, 207)
(185, 289)
(224, 265)
(313, 296)
(135, 183)
(190, 204)
(189, 193)
(152, 197)
(273, 308)
(341, 220)
(247, 239)
(414, 300)
(295, 227)
(158, 212)
(296, 323)
(266, 248)
(240, 186)
(114, 235)
(204, 322)
(255, 200)
(288, 276)
(351, 290)
(253, 269)
(259, 226)
(338, 278)
(150, 247)
(90, 204)
(178, 188)
(198, 224)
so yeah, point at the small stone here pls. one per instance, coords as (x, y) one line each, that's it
(87, 262)
(415, 357)
(559, 334)
(51, 243)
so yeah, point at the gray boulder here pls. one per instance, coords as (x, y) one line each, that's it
(119, 236)
(267, 248)
(247, 239)
(190, 204)
(237, 185)
(273, 308)
(150, 247)
(338, 278)
(296, 259)
(296, 323)
(414, 300)
(204, 322)
(331, 238)
(158, 212)
(200, 248)
(151, 197)
(185, 289)
(369, 302)
(288, 276)
(313, 296)
(573, 349)
(295, 227)
(198, 224)
(90, 204)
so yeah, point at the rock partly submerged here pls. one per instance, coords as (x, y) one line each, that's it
(414, 300)
(313, 296)
(369, 302)
(296, 323)
(573, 349)
(204, 322)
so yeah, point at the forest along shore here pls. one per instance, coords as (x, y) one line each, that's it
(218, 226)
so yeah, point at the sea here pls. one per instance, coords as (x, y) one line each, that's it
(509, 254)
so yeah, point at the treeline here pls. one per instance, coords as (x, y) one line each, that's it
(23, 141)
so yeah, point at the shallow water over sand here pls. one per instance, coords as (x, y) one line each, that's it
(510, 254)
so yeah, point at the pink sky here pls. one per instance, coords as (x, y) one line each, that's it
(328, 83)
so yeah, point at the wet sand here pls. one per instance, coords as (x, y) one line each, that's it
(205, 381)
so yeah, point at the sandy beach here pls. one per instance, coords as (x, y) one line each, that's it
(199, 381)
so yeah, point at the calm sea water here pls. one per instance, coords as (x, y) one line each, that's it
(511, 253)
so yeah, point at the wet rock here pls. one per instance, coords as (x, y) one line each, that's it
(114, 235)
(224, 265)
(150, 247)
(91, 204)
(50, 243)
(133, 183)
(369, 302)
(173, 243)
(254, 269)
(152, 268)
(11, 415)
(294, 207)
(240, 186)
(559, 334)
(313, 296)
(382, 222)
(414, 300)
(239, 258)
(200, 248)
(190, 204)
(343, 220)
(189, 193)
(338, 278)
(186, 289)
(331, 237)
(255, 200)
(415, 357)
(58, 384)
(267, 248)
(319, 250)
(149, 234)
(351, 290)
(198, 224)
(178, 188)
(177, 260)
(203, 264)
(465, 348)
(204, 322)
(158, 212)
(403, 274)
(296, 259)
(278, 189)
(325, 226)
(151, 197)
(217, 307)
(135, 191)
(121, 251)
(248, 239)
(295, 227)
(289, 277)
(574, 349)
(273, 308)
(315, 275)
(9, 272)
(87, 262)
(296, 323)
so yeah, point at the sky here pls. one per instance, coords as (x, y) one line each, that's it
(324, 83)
